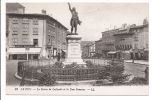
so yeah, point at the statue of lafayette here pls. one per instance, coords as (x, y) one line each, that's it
(75, 19)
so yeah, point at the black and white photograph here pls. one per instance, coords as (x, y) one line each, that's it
(77, 48)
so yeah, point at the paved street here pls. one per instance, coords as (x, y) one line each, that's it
(138, 61)
(11, 68)
(135, 69)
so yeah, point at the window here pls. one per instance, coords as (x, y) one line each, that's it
(53, 42)
(25, 40)
(25, 21)
(15, 21)
(35, 22)
(15, 31)
(136, 37)
(136, 46)
(25, 31)
(14, 41)
(135, 31)
(147, 46)
(35, 31)
(35, 42)
(138, 30)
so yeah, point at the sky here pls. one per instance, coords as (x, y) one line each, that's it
(95, 17)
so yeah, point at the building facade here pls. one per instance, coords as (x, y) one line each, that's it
(85, 51)
(98, 48)
(12, 8)
(132, 42)
(123, 43)
(15, 8)
(108, 41)
(85, 47)
(84, 43)
(140, 41)
(92, 50)
(88, 50)
(27, 32)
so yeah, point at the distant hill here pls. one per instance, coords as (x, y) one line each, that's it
(84, 43)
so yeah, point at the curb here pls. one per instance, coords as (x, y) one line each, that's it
(137, 63)
(27, 79)
(75, 81)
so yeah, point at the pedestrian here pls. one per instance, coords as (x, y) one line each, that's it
(58, 57)
(147, 73)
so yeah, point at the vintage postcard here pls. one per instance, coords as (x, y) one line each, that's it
(77, 48)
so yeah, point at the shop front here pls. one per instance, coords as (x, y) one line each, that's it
(139, 54)
(23, 53)
(112, 54)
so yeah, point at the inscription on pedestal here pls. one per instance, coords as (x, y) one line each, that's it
(74, 50)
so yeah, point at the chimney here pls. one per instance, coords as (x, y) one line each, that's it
(115, 27)
(145, 21)
(133, 25)
(43, 12)
(124, 26)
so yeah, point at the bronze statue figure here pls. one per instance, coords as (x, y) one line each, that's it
(75, 19)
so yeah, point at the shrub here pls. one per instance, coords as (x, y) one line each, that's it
(58, 65)
(114, 72)
(73, 65)
(147, 74)
(89, 64)
(138, 81)
(47, 80)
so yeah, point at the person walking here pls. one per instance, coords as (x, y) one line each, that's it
(58, 57)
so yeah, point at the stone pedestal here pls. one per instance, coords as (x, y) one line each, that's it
(73, 53)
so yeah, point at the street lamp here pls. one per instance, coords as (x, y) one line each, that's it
(27, 49)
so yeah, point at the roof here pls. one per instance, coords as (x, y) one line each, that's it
(139, 26)
(35, 15)
(111, 30)
(13, 6)
(84, 43)
(98, 40)
(123, 34)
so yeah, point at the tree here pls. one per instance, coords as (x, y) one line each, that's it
(114, 72)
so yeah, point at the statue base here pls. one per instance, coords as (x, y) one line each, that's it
(74, 50)
(72, 34)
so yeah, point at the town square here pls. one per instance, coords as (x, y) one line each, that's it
(74, 44)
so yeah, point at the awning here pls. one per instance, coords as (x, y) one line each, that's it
(112, 52)
(23, 51)
(146, 49)
(64, 50)
(125, 51)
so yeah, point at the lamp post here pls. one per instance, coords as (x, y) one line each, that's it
(27, 49)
